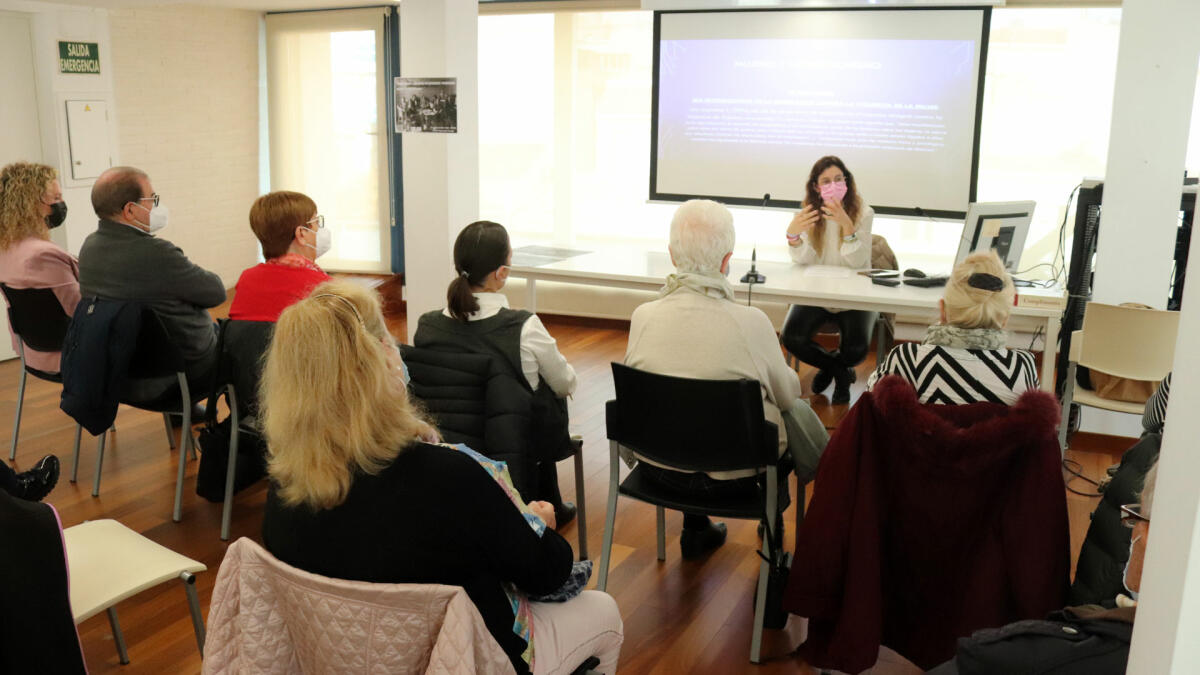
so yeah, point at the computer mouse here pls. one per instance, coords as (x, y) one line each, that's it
(914, 273)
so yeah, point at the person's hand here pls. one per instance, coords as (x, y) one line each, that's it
(802, 223)
(545, 511)
(835, 212)
(427, 433)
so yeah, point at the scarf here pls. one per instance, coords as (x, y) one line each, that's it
(945, 335)
(713, 284)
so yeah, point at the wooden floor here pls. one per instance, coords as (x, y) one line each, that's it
(680, 617)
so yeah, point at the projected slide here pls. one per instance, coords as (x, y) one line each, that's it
(746, 101)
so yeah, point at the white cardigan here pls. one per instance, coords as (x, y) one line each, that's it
(855, 254)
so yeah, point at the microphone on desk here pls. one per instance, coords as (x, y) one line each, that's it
(753, 277)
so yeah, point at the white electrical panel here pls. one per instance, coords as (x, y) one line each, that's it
(87, 133)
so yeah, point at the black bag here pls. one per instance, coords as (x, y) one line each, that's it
(214, 460)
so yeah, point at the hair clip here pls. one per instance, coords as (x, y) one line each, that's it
(345, 300)
(985, 282)
(464, 274)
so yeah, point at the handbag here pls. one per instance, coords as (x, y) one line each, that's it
(214, 460)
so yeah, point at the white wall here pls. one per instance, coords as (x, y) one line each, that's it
(186, 83)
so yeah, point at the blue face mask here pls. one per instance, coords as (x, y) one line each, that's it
(1125, 574)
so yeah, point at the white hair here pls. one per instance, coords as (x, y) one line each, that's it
(701, 236)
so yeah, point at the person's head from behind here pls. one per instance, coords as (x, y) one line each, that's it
(702, 237)
(979, 293)
(124, 194)
(482, 256)
(30, 202)
(1137, 517)
(287, 222)
(332, 404)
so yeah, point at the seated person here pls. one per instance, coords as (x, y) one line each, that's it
(31, 205)
(355, 493)
(293, 236)
(477, 320)
(124, 260)
(963, 359)
(33, 484)
(1155, 415)
(1089, 639)
(696, 330)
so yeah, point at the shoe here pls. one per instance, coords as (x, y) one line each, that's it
(695, 543)
(821, 381)
(841, 389)
(37, 482)
(564, 514)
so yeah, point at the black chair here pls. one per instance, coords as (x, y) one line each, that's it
(241, 347)
(157, 358)
(694, 425)
(38, 320)
(454, 389)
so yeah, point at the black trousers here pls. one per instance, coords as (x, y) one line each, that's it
(855, 326)
(8, 479)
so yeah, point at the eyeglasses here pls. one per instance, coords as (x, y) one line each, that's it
(319, 220)
(153, 197)
(1131, 515)
(835, 179)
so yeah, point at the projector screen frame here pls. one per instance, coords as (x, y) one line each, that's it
(915, 211)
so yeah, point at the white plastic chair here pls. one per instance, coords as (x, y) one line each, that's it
(109, 562)
(1129, 342)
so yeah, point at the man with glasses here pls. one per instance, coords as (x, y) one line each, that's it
(124, 260)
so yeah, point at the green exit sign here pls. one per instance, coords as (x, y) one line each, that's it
(79, 57)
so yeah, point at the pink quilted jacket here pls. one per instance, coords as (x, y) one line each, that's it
(269, 617)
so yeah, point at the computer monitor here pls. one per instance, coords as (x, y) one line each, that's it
(996, 225)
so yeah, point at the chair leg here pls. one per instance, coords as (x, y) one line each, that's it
(75, 460)
(167, 426)
(12, 453)
(234, 435)
(1068, 396)
(764, 568)
(99, 463)
(118, 636)
(610, 515)
(580, 503)
(661, 526)
(189, 586)
(185, 442)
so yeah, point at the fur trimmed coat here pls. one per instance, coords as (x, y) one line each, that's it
(927, 523)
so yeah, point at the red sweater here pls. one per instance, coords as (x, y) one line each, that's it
(929, 522)
(265, 290)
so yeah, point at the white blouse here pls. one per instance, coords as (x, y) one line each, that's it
(539, 351)
(834, 251)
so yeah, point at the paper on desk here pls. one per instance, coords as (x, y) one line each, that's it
(828, 271)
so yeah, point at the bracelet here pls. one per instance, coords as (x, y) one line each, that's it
(851, 239)
(793, 237)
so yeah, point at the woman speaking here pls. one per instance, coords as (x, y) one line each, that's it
(832, 228)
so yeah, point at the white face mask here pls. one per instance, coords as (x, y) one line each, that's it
(158, 218)
(1125, 574)
(324, 241)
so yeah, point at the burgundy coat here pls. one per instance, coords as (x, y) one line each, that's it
(929, 522)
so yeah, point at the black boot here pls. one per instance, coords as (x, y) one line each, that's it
(841, 387)
(821, 381)
(37, 482)
(694, 543)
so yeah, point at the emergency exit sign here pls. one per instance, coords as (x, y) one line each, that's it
(79, 57)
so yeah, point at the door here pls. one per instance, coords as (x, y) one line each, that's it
(327, 127)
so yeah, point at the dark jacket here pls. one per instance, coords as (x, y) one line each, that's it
(433, 516)
(1086, 640)
(37, 629)
(930, 522)
(474, 387)
(120, 262)
(97, 351)
(1105, 549)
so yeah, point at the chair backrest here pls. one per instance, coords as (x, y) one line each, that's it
(693, 425)
(39, 631)
(36, 315)
(243, 346)
(1129, 342)
(269, 617)
(155, 354)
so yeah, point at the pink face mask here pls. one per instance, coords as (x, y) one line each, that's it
(833, 191)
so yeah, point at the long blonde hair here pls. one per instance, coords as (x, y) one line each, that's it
(968, 306)
(331, 404)
(22, 186)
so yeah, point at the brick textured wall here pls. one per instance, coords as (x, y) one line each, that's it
(186, 83)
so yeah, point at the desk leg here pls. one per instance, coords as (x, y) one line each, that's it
(531, 295)
(1050, 353)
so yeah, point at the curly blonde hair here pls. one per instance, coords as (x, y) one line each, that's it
(332, 406)
(22, 185)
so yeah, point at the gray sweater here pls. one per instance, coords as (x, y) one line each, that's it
(120, 262)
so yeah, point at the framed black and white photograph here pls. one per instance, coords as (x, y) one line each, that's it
(426, 105)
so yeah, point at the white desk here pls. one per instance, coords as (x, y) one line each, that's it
(787, 283)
